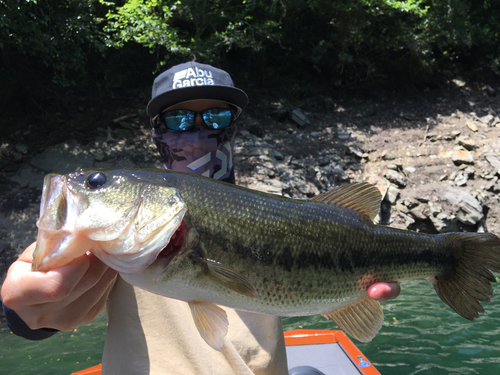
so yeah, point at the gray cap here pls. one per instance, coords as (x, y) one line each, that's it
(192, 81)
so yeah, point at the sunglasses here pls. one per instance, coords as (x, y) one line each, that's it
(183, 120)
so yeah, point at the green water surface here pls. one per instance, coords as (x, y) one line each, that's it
(421, 335)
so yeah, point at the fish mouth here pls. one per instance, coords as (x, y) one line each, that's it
(73, 220)
(173, 248)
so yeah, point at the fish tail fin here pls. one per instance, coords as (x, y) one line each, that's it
(468, 281)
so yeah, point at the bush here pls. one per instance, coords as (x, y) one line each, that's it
(57, 35)
(333, 41)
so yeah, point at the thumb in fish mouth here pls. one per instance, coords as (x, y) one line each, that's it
(56, 250)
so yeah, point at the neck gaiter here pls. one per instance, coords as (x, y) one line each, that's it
(201, 151)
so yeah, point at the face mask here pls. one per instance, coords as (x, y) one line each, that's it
(201, 151)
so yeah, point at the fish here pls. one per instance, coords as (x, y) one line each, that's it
(215, 244)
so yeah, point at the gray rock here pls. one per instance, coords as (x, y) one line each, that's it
(287, 159)
(338, 172)
(444, 224)
(488, 120)
(392, 194)
(323, 161)
(434, 209)
(271, 186)
(396, 178)
(420, 212)
(344, 134)
(467, 143)
(355, 151)
(468, 209)
(307, 189)
(311, 171)
(472, 125)
(410, 203)
(462, 156)
(396, 166)
(22, 148)
(461, 179)
(299, 117)
(459, 82)
(493, 159)
(265, 171)
(277, 155)
(490, 90)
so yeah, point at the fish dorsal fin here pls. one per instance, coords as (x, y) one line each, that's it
(361, 320)
(359, 196)
(211, 322)
(228, 277)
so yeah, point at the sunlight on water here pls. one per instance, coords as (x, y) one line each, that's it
(421, 335)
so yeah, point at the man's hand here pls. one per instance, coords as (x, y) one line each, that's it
(61, 298)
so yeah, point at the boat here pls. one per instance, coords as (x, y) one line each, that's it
(324, 352)
(312, 352)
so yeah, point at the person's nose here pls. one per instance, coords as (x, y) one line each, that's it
(198, 120)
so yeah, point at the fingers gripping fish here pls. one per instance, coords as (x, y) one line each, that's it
(210, 243)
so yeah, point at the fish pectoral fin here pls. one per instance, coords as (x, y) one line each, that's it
(228, 277)
(361, 320)
(211, 322)
(359, 196)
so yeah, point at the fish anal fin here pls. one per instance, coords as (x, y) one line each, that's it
(359, 196)
(228, 277)
(361, 320)
(211, 322)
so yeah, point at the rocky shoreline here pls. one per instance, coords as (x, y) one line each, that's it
(434, 155)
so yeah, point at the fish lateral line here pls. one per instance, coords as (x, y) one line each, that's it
(359, 253)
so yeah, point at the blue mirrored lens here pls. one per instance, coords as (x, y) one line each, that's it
(217, 118)
(179, 120)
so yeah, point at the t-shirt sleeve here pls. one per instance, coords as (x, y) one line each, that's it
(20, 328)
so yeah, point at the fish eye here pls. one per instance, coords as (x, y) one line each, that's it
(96, 180)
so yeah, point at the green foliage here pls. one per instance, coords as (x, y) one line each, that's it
(198, 29)
(381, 39)
(57, 34)
(352, 40)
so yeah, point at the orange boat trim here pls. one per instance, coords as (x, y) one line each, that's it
(311, 336)
(94, 370)
(302, 337)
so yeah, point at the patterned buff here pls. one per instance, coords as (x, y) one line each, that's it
(201, 151)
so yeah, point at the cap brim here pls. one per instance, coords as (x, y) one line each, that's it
(231, 95)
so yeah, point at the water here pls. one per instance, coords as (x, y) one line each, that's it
(421, 335)
(63, 353)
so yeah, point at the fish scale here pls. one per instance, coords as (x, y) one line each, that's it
(260, 237)
(260, 252)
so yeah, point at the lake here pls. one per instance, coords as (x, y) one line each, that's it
(421, 335)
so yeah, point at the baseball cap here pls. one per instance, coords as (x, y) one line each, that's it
(192, 81)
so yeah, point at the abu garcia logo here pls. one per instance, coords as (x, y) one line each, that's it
(193, 77)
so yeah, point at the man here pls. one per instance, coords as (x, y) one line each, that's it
(192, 110)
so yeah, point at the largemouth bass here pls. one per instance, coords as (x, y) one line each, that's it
(210, 243)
